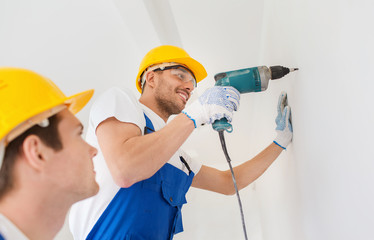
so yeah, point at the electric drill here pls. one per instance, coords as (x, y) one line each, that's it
(248, 80)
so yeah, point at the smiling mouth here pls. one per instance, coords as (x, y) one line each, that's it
(184, 96)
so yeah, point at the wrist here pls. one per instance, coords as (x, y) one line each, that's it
(275, 142)
(187, 116)
(283, 139)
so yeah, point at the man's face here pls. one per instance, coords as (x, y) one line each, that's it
(172, 91)
(71, 169)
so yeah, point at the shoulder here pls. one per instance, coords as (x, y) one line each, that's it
(118, 103)
(116, 99)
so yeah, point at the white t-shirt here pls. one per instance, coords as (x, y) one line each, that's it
(122, 105)
(9, 231)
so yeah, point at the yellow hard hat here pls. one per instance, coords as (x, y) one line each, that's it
(167, 53)
(25, 95)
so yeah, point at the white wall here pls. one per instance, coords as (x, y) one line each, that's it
(329, 168)
(320, 187)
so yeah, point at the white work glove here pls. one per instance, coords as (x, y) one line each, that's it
(284, 126)
(215, 103)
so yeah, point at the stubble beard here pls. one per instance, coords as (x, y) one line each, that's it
(165, 102)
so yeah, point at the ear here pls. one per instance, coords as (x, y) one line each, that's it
(150, 78)
(35, 152)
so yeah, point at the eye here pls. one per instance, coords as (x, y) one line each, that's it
(80, 132)
(181, 76)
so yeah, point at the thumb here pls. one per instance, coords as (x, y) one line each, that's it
(287, 115)
(282, 101)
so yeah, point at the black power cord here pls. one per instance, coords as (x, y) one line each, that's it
(223, 144)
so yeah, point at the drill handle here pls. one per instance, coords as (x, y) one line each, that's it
(222, 125)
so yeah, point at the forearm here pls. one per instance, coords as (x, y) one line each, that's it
(221, 181)
(249, 171)
(140, 157)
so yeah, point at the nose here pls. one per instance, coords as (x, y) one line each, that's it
(189, 86)
(93, 151)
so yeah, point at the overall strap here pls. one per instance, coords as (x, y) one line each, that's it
(185, 164)
(148, 125)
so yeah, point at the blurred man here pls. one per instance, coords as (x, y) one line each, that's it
(142, 172)
(46, 166)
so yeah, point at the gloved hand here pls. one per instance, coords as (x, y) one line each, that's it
(284, 126)
(215, 103)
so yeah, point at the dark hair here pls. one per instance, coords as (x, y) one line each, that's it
(49, 136)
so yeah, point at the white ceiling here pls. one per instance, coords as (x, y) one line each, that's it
(221, 34)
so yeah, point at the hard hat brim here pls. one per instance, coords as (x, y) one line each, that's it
(78, 101)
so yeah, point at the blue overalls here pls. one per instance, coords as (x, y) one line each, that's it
(149, 209)
(1, 237)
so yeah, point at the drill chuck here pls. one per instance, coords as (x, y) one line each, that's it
(279, 71)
